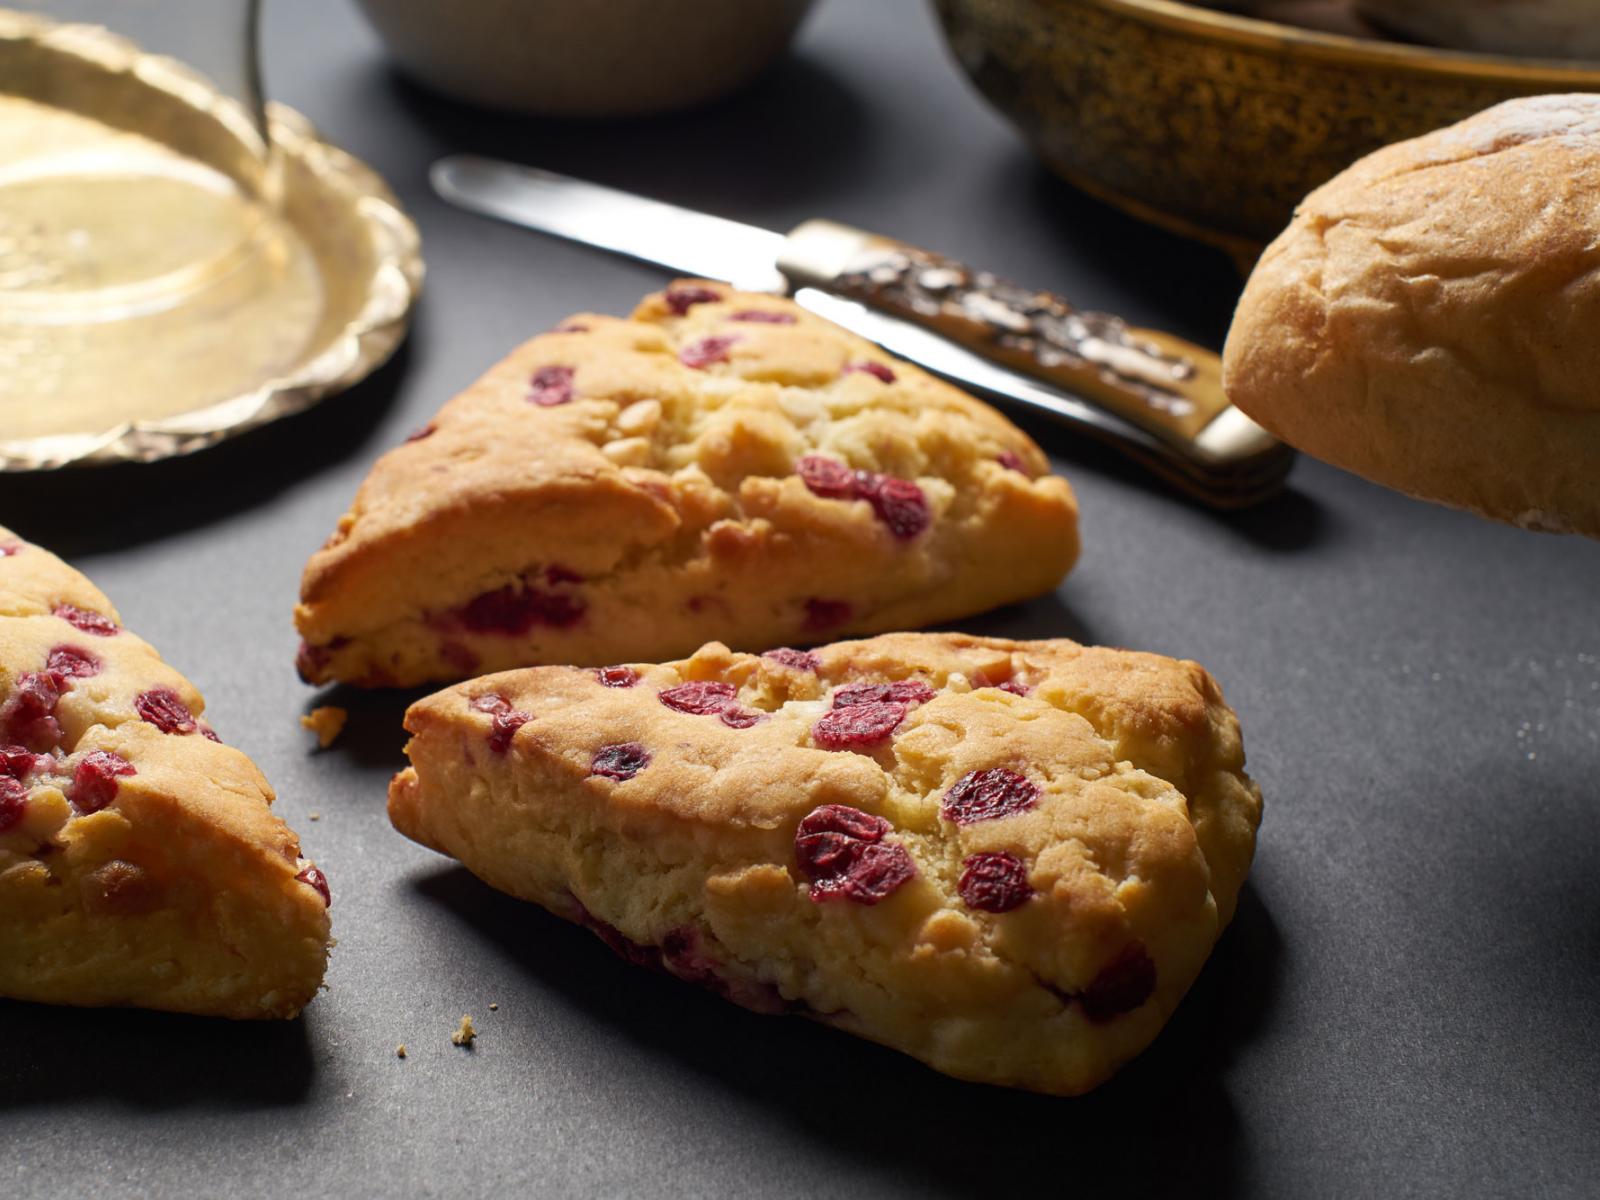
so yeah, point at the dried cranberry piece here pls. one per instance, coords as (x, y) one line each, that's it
(73, 662)
(681, 299)
(737, 716)
(16, 761)
(987, 795)
(94, 781)
(827, 477)
(314, 877)
(699, 697)
(7, 549)
(311, 660)
(551, 386)
(799, 660)
(683, 955)
(621, 761)
(876, 370)
(512, 611)
(617, 677)
(165, 709)
(1015, 686)
(830, 839)
(858, 725)
(841, 850)
(623, 946)
(37, 694)
(822, 614)
(208, 733)
(877, 872)
(763, 316)
(898, 503)
(556, 574)
(1012, 461)
(706, 351)
(489, 704)
(13, 800)
(1122, 985)
(426, 431)
(86, 621)
(572, 327)
(29, 716)
(842, 819)
(503, 727)
(994, 882)
(901, 691)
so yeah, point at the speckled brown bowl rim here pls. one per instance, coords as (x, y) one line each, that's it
(1431, 60)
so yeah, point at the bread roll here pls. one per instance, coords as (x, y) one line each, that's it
(1430, 319)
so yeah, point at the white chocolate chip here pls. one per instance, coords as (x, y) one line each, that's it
(629, 452)
(640, 417)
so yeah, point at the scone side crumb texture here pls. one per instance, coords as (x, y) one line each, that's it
(722, 465)
(1426, 320)
(327, 722)
(140, 863)
(1013, 871)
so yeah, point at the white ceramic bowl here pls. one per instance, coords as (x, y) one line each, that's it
(585, 58)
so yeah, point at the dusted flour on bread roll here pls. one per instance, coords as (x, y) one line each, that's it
(1430, 319)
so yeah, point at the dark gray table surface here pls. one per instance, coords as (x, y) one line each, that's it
(1406, 1004)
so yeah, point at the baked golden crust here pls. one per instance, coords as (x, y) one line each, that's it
(1427, 319)
(1115, 790)
(140, 863)
(646, 496)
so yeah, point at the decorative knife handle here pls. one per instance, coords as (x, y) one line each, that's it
(1164, 385)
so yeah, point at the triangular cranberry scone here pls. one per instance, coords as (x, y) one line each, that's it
(1008, 859)
(721, 465)
(139, 861)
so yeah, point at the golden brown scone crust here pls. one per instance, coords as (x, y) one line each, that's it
(1134, 851)
(654, 505)
(140, 863)
(1428, 318)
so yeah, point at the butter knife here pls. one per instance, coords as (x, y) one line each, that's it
(1156, 397)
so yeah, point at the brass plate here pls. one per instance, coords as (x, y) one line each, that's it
(163, 285)
(1210, 124)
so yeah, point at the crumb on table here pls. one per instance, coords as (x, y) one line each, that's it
(465, 1034)
(326, 722)
(494, 1008)
(400, 1050)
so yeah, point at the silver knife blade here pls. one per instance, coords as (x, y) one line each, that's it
(692, 242)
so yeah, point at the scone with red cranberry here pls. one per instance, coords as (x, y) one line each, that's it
(721, 465)
(1008, 859)
(139, 861)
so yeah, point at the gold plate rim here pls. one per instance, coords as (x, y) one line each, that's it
(390, 289)
(1261, 34)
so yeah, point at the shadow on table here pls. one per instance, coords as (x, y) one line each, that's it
(374, 734)
(1044, 616)
(155, 1061)
(85, 510)
(1166, 1123)
(1290, 521)
(786, 135)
